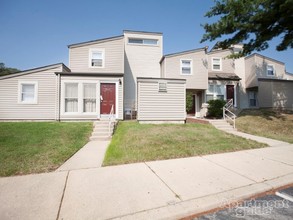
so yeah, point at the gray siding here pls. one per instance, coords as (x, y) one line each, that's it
(199, 77)
(279, 97)
(161, 106)
(98, 80)
(45, 109)
(114, 56)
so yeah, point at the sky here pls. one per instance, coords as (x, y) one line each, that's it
(36, 33)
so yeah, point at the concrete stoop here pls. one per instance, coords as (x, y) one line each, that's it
(222, 125)
(101, 131)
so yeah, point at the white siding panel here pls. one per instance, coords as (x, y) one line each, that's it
(45, 109)
(114, 57)
(161, 106)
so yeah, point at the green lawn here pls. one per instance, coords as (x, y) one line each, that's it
(34, 147)
(134, 142)
(267, 123)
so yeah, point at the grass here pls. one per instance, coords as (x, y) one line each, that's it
(267, 123)
(34, 147)
(134, 142)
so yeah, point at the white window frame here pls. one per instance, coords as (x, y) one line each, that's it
(36, 89)
(220, 69)
(143, 41)
(63, 100)
(91, 51)
(83, 98)
(191, 69)
(214, 92)
(274, 71)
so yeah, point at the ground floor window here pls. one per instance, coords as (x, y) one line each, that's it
(252, 98)
(71, 97)
(215, 92)
(28, 92)
(89, 97)
(80, 97)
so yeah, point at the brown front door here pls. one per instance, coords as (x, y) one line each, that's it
(107, 97)
(230, 92)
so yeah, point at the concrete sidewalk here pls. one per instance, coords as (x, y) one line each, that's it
(166, 189)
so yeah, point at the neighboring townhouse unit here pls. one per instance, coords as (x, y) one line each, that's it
(192, 66)
(128, 73)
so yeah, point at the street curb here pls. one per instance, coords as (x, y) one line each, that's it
(210, 202)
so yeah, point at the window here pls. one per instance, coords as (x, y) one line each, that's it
(71, 97)
(89, 97)
(96, 58)
(252, 98)
(270, 70)
(28, 92)
(162, 87)
(216, 64)
(215, 92)
(186, 67)
(143, 41)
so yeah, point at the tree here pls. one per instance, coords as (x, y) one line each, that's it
(189, 101)
(251, 22)
(7, 70)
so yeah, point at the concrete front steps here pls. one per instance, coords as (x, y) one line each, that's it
(222, 125)
(101, 130)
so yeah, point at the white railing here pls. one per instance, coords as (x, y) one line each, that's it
(226, 110)
(111, 119)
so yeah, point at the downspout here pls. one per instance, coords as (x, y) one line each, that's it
(59, 104)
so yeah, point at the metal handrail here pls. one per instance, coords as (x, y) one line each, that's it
(226, 107)
(111, 117)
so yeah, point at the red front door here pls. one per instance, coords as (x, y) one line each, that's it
(107, 97)
(230, 92)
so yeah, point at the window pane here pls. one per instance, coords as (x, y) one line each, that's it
(211, 88)
(220, 97)
(209, 97)
(270, 70)
(28, 92)
(71, 105)
(97, 55)
(216, 67)
(89, 101)
(89, 105)
(186, 70)
(162, 87)
(216, 63)
(220, 89)
(71, 90)
(135, 41)
(150, 42)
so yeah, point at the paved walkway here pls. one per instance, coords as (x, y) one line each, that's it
(166, 189)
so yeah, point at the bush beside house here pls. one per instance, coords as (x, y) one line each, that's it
(215, 108)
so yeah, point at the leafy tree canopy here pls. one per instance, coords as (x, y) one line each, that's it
(7, 70)
(251, 22)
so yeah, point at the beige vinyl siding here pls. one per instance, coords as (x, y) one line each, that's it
(227, 64)
(161, 106)
(256, 67)
(114, 56)
(279, 97)
(199, 77)
(98, 80)
(140, 61)
(45, 109)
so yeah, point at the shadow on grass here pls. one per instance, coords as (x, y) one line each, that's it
(267, 114)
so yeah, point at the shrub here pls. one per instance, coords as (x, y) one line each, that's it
(189, 101)
(215, 108)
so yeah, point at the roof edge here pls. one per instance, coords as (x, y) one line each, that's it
(95, 41)
(142, 32)
(29, 71)
(182, 52)
(262, 56)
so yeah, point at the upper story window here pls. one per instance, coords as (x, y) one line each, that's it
(141, 41)
(217, 63)
(270, 70)
(28, 92)
(186, 67)
(97, 58)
